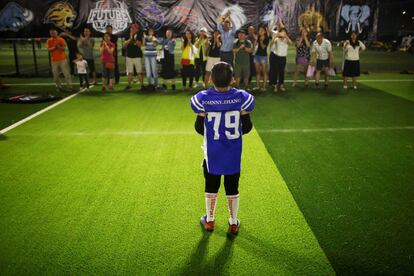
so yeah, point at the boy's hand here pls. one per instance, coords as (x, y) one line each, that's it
(243, 112)
(202, 114)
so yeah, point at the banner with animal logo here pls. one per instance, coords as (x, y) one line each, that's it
(336, 18)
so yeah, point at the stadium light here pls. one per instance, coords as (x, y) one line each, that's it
(404, 12)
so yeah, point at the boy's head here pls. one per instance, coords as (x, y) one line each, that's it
(53, 32)
(79, 55)
(222, 74)
(241, 35)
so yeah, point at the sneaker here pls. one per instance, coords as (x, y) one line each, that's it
(256, 88)
(195, 85)
(128, 87)
(355, 88)
(281, 88)
(234, 228)
(345, 86)
(276, 89)
(208, 226)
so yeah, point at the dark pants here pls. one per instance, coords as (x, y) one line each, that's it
(231, 182)
(200, 69)
(83, 78)
(277, 69)
(187, 72)
(227, 57)
(116, 72)
(252, 68)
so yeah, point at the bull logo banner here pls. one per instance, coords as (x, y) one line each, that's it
(110, 12)
(14, 17)
(335, 18)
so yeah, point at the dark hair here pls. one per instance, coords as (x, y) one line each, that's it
(264, 28)
(222, 74)
(52, 29)
(108, 26)
(186, 40)
(79, 53)
(356, 43)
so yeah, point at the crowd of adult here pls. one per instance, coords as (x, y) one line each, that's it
(261, 54)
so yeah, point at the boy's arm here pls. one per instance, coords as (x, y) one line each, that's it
(199, 123)
(246, 122)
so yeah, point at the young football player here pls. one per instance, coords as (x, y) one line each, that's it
(222, 118)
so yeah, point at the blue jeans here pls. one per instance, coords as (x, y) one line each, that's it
(151, 69)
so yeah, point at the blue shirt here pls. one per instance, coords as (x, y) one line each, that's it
(227, 38)
(222, 127)
(169, 45)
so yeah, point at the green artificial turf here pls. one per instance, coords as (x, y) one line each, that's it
(112, 185)
(353, 186)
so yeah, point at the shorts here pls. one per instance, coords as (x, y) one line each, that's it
(107, 73)
(133, 62)
(91, 65)
(212, 182)
(242, 70)
(210, 63)
(321, 64)
(260, 59)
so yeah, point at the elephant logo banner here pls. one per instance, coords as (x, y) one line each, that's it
(110, 12)
(60, 14)
(14, 17)
(355, 18)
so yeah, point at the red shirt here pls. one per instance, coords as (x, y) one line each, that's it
(57, 54)
(106, 55)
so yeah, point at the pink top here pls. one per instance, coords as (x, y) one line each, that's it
(106, 55)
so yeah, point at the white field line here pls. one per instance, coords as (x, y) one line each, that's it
(124, 82)
(4, 130)
(185, 133)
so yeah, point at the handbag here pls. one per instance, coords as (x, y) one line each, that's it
(110, 65)
(310, 71)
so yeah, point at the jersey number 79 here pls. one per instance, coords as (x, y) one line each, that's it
(231, 124)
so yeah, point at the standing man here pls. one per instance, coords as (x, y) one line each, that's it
(56, 47)
(322, 48)
(133, 45)
(227, 29)
(86, 44)
(252, 37)
(242, 50)
(72, 44)
(114, 40)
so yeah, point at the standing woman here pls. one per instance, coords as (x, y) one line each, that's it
(187, 59)
(150, 58)
(107, 49)
(280, 45)
(302, 55)
(167, 63)
(213, 55)
(201, 56)
(251, 35)
(260, 58)
(351, 69)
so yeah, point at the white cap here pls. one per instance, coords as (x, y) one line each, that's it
(203, 29)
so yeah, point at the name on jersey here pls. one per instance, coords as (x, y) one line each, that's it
(231, 101)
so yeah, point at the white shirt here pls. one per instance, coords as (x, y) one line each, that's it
(323, 49)
(352, 53)
(280, 48)
(81, 66)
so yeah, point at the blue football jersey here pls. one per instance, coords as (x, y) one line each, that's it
(222, 127)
